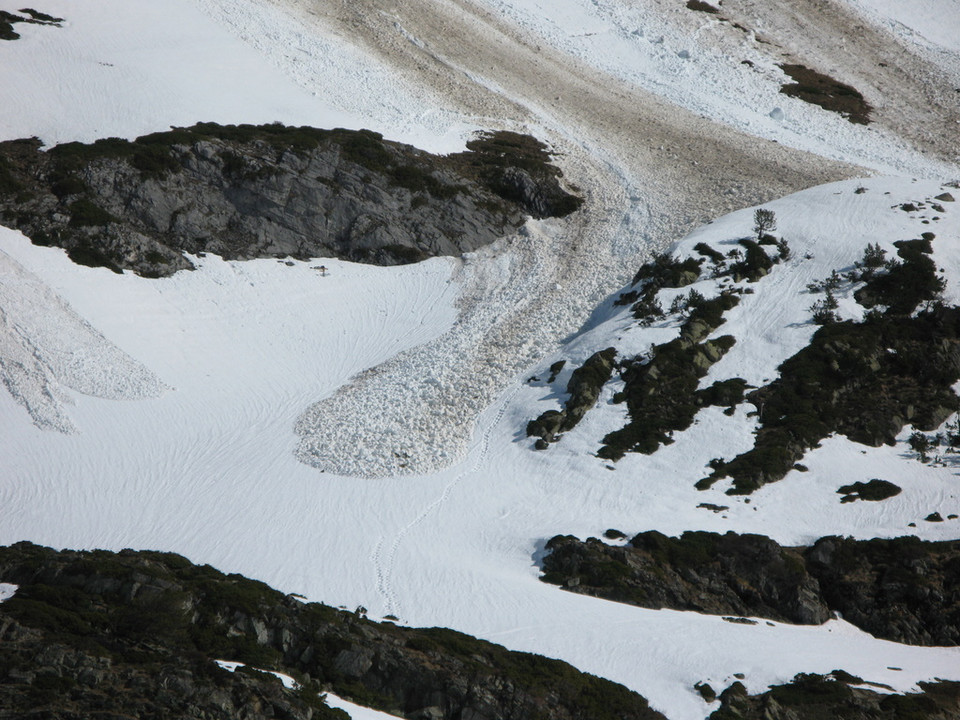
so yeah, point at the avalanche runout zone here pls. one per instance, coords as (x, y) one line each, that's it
(46, 347)
(414, 414)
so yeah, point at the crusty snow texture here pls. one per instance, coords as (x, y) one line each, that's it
(46, 347)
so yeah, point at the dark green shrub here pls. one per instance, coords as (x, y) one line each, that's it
(709, 252)
(83, 213)
(666, 272)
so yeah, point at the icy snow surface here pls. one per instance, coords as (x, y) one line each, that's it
(7, 591)
(45, 345)
(129, 67)
(221, 370)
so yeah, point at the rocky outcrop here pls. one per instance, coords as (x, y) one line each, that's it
(28, 15)
(865, 380)
(264, 191)
(661, 388)
(584, 388)
(839, 695)
(135, 634)
(904, 589)
(705, 572)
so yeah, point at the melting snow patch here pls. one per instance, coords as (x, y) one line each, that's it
(357, 712)
(288, 682)
(7, 591)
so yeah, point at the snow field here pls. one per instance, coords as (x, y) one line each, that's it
(232, 358)
(122, 68)
(827, 228)
(45, 346)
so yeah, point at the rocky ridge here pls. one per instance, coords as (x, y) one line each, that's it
(137, 633)
(837, 695)
(902, 589)
(272, 191)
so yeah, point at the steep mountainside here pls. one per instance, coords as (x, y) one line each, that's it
(771, 405)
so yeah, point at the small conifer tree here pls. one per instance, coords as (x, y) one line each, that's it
(764, 221)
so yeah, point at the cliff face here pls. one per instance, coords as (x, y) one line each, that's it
(903, 589)
(137, 633)
(272, 191)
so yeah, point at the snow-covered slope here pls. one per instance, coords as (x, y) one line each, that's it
(183, 395)
(208, 469)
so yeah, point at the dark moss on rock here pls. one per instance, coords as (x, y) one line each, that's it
(134, 634)
(661, 391)
(873, 490)
(244, 191)
(838, 695)
(704, 572)
(584, 387)
(865, 380)
(903, 589)
(34, 17)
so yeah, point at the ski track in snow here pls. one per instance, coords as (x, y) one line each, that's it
(384, 564)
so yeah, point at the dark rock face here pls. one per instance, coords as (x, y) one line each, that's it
(584, 388)
(265, 191)
(866, 381)
(134, 634)
(818, 697)
(718, 574)
(905, 589)
(873, 490)
(9, 19)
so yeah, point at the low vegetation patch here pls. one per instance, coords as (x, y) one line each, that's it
(819, 89)
(865, 380)
(584, 387)
(661, 390)
(873, 490)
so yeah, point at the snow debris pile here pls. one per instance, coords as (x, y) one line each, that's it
(45, 347)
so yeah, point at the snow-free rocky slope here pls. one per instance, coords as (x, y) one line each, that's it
(360, 437)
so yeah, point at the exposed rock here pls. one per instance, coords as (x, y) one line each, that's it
(585, 385)
(904, 589)
(584, 388)
(9, 19)
(865, 380)
(705, 572)
(874, 490)
(135, 635)
(259, 191)
(661, 390)
(838, 695)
